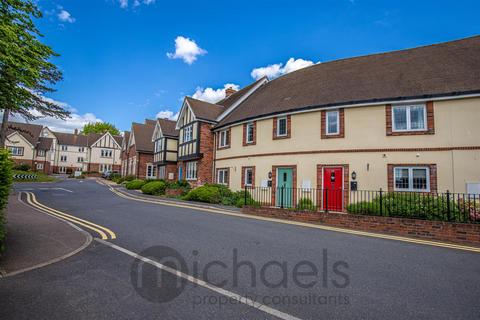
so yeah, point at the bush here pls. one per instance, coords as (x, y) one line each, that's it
(6, 179)
(22, 167)
(114, 176)
(82, 176)
(206, 193)
(128, 178)
(154, 188)
(305, 204)
(135, 184)
(119, 180)
(411, 205)
(178, 184)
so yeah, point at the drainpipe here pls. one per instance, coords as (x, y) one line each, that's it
(214, 162)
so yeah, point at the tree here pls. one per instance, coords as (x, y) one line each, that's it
(26, 73)
(100, 127)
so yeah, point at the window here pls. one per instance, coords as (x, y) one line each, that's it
(16, 151)
(249, 133)
(41, 153)
(161, 172)
(248, 177)
(282, 127)
(222, 176)
(105, 167)
(223, 138)
(191, 170)
(64, 148)
(151, 171)
(188, 133)
(80, 159)
(412, 179)
(81, 149)
(106, 153)
(158, 145)
(39, 166)
(409, 118)
(63, 158)
(62, 169)
(332, 122)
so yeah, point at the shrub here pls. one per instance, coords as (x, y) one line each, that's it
(6, 179)
(82, 176)
(114, 176)
(242, 198)
(22, 167)
(135, 184)
(129, 178)
(119, 180)
(154, 188)
(305, 204)
(178, 184)
(206, 193)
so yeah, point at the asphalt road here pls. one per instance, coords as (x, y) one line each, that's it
(295, 271)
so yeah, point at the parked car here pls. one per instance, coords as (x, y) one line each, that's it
(107, 174)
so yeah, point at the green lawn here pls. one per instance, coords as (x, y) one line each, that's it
(41, 177)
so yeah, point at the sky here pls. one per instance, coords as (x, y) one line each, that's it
(128, 60)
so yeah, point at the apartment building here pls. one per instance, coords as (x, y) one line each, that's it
(401, 121)
(165, 140)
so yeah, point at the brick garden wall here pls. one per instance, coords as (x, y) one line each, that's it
(430, 230)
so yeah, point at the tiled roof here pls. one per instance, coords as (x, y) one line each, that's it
(31, 132)
(143, 135)
(168, 127)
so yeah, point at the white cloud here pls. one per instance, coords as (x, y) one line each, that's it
(167, 114)
(76, 120)
(213, 95)
(123, 3)
(186, 49)
(275, 70)
(65, 16)
(136, 3)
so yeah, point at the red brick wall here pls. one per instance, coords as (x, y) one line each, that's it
(142, 160)
(171, 168)
(431, 230)
(205, 164)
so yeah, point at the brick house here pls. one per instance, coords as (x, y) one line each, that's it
(165, 140)
(139, 156)
(124, 153)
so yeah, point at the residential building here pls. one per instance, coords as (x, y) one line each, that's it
(104, 151)
(28, 145)
(71, 152)
(124, 153)
(139, 159)
(165, 140)
(196, 140)
(400, 121)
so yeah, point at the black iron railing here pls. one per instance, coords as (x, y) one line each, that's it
(446, 206)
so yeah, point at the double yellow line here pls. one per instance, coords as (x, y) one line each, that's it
(104, 233)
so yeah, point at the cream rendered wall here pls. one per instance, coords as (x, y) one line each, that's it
(172, 145)
(17, 140)
(456, 124)
(106, 142)
(72, 154)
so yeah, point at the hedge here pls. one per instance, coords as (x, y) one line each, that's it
(135, 184)
(6, 179)
(219, 194)
(154, 188)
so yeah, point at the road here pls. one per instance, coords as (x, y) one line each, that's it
(253, 269)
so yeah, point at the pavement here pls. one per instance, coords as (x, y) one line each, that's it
(288, 271)
(35, 239)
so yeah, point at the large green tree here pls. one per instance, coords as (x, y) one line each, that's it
(100, 127)
(26, 73)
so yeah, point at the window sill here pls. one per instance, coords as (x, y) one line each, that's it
(410, 132)
(281, 137)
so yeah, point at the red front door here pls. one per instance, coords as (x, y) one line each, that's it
(333, 188)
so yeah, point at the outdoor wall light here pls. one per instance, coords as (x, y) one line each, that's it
(270, 175)
(354, 175)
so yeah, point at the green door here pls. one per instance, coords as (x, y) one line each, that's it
(284, 192)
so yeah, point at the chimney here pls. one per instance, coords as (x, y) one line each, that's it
(75, 132)
(229, 91)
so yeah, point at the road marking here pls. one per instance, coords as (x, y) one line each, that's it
(56, 189)
(199, 282)
(102, 231)
(304, 224)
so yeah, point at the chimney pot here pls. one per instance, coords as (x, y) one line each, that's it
(229, 91)
(75, 131)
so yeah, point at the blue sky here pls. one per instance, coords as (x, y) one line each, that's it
(119, 62)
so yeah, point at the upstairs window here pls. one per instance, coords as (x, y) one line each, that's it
(223, 140)
(81, 149)
(159, 145)
(63, 158)
(79, 159)
(64, 148)
(409, 118)
(106, 153)
(16, 151)
(282, 127)
(412, 179)
(249, 138)
(41, 153)
(333, 125)
(188, 133)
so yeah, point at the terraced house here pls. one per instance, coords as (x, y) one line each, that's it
(165, 140)
(406, 121)
(196, 139)
(138, 155)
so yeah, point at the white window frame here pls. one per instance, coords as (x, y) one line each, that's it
(153, 172)
(191, 170)
(41, 153)
(63, 158)
(188, 133)
(410, 179)
(222, 139)
(162, 172)
(278, 127)
(15, 151)
(159, 145)
(222, 176)
(327, 122)
(106, 153)
(80, 159)
(81, 149)
(245, 182)
(249, 130)
(409, 122)
(64, 148)
(40, 166)
(62, 169)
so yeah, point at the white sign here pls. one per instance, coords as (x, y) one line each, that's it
(78, 173)
(264, 183)
(306, 184)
